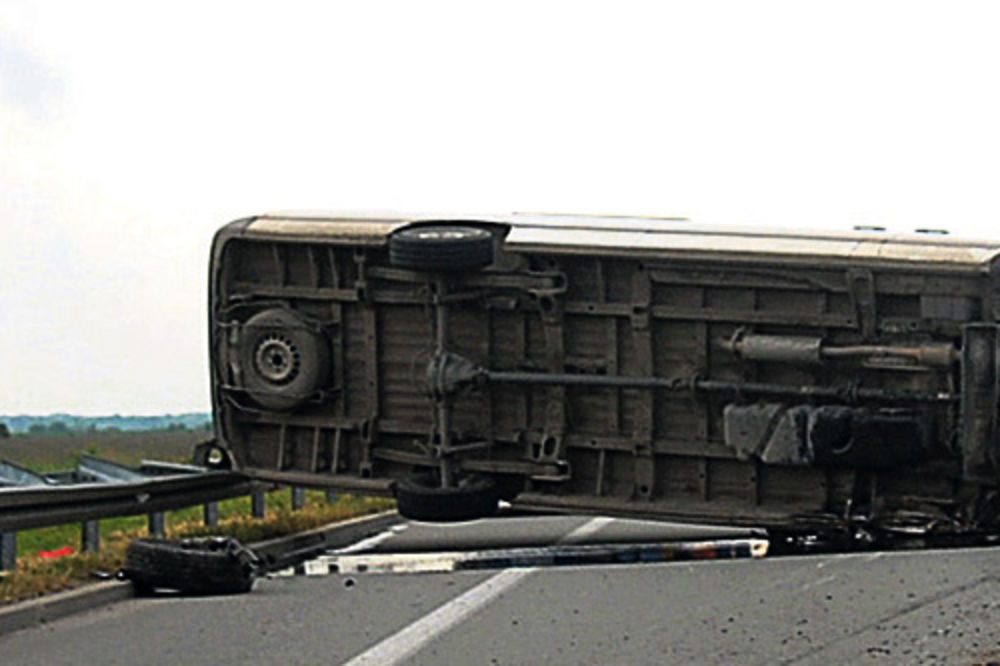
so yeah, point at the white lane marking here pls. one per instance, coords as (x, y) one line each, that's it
(410, 639)
(406, 642)
(372, 541)
(583, 531)
(817, 583)
(320, 566)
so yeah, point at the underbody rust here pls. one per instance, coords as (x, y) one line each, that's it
(628, 366)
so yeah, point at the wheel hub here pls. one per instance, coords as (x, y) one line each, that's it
(277, 359)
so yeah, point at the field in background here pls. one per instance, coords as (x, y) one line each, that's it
(47, 453)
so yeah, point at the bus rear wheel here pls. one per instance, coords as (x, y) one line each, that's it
(421, 497)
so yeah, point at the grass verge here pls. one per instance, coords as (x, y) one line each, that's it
(36, 576)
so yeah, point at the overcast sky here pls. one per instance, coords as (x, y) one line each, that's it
(128, 135)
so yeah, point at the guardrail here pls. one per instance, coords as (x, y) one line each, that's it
(99, 488)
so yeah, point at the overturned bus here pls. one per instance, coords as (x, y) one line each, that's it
(628, 366)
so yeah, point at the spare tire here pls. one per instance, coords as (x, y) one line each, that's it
(421, 497)
(446, 248)
(284, 358)
(211, 565)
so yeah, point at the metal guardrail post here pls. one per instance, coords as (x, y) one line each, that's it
(331, 496)
(258, 505)
(157, 524)
(90, 536)
(211, 512)
(8, 551)
(298, 498)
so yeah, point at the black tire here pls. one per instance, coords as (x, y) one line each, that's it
(213, 565)
(441, 248)
(284, 360)
(422, 498)
(509, 486)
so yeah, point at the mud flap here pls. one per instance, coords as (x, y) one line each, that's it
(980, 398)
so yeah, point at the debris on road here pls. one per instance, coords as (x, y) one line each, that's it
(552, 556)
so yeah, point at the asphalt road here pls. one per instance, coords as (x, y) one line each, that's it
(892, 608)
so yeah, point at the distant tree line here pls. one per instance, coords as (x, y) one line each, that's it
(54, 428)
(73, 425)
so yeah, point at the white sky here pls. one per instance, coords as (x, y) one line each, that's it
(128, 135)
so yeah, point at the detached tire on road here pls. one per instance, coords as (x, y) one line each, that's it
(422, 498)
(442, 248)
(214, 565)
